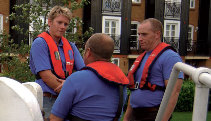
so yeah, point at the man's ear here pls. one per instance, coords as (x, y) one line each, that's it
(89, 53)
(49, 22)
(157, 33)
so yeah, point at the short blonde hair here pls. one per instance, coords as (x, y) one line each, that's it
(58, 10)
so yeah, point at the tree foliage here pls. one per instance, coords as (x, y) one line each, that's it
(31, 19)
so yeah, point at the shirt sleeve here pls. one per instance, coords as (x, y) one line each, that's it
(63, 103)
(169, 62)
(78, 60)
(40, 55)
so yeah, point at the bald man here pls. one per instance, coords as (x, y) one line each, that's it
(93, 93)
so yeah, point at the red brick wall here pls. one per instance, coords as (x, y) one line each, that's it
(4, 10)
(138, 11)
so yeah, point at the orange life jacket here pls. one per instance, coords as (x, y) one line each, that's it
(55, 57)
(150, 61)
(108, 71)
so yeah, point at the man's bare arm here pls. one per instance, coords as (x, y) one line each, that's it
(55, 118)
(50, 79)
(172, 100)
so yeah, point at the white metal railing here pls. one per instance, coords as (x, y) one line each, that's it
(202, 78)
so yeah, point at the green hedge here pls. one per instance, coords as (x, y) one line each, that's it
(186, 97)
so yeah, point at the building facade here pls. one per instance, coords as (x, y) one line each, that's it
(187, 26)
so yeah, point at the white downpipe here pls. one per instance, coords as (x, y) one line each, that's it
(202, 78)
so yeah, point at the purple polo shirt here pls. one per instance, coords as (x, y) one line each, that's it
(40, 59)
(86, 96)
(159, 72)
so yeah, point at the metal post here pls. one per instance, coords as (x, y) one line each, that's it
(200, 103)
(202, 78)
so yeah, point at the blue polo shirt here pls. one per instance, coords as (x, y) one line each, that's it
(40, 59)
(159, 72)
(86, 96)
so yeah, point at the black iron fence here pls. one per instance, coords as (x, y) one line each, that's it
(172, 10)
(116, 39)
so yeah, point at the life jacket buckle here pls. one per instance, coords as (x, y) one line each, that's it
(136, 85)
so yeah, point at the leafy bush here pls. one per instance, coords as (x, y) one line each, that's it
(186, 97)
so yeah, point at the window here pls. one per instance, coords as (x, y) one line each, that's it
(134, 43)
(33, 25)
(190, 37)
(171, 33)
(1, 23)
(112, 26)
(73, 26)
(115, 61)
(192, 3)
(171, 28)
(136, 1)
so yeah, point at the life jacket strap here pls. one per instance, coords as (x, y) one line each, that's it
(148, 86)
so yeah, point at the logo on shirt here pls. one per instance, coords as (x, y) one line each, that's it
(57, 56)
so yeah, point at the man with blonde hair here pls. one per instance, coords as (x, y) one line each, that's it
(53, 57)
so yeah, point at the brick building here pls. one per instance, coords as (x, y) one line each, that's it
(187, 26)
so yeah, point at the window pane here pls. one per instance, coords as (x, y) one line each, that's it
(133, 38)
(167, 33)
(173, 34)
(106, 23)
(133, 26)
(167, 27)
(173, 27)
(133, 32)
(113, 24)
(106, 30)
(113, 30)
(189, 29)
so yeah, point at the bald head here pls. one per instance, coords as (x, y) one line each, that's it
(101, 45)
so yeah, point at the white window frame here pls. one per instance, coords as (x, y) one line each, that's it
(136, 1)
(190, 38)
(192, 3)
(137, 42)
(192, 30)
(117, 31)
(1, 23)
(177, 27)
(114, 60)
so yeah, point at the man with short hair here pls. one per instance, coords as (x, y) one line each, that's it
(53, 58)
(95, 93)
(150, 73)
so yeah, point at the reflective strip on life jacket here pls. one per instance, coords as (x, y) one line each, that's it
(150, 61)
(108, 71)
(55, 57)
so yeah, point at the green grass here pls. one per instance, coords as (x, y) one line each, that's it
(186, 116)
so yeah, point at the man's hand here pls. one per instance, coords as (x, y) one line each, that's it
(58, 89)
